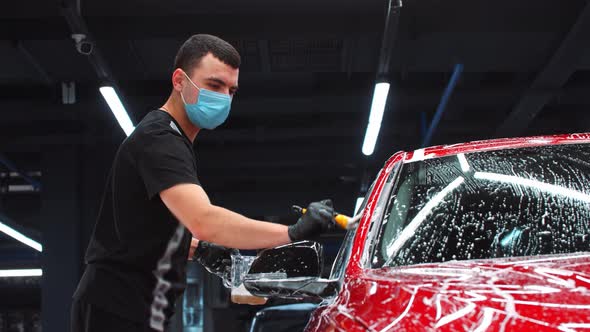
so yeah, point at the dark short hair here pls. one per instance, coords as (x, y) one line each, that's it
(196, 47)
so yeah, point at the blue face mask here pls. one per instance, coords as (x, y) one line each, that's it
(210, 110)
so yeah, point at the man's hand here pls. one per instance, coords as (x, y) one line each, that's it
(318, 218)
(216, 259)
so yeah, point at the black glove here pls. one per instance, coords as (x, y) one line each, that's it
(318, 218)
(215, 259)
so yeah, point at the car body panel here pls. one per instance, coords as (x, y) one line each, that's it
(549, 292)
(544, 293)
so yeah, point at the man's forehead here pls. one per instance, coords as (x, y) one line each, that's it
(213, 68)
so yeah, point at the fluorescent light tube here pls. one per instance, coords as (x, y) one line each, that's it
(371, 138)
(20, 188)
(359, 202)
(21, 273)
(20, 237)
(375, 117)
(110, 95)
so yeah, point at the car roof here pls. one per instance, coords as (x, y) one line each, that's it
(489, 145)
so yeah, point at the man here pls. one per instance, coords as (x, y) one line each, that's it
(153, 203)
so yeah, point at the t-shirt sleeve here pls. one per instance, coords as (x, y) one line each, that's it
(164, 160)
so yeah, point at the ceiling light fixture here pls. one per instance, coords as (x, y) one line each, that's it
(21, 273)
(110, 95)
(20, 237)
(375, 117)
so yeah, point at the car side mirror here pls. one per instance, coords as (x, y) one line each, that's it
(298, 288)
(300, 259)
(291, 271)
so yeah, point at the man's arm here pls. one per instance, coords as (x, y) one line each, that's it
(191, 206)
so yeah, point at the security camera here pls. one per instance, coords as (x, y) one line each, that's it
(82, 45)
(84, 48)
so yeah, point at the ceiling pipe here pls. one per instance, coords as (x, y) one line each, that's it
(85, 44)
(41, 72)
(389, 35)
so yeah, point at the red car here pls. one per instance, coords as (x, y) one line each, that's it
(482, 236)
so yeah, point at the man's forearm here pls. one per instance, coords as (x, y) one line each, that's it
(230, 229)
(191, 206)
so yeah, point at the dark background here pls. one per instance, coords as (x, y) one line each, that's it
(297, 123)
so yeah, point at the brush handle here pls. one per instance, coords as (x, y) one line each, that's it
(340, 219)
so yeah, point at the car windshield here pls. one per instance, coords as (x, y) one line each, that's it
(514, 202)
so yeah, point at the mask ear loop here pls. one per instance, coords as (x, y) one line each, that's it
(193, 83)
(182, 97)
(189, 79)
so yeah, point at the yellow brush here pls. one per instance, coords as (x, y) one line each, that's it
(340, 219)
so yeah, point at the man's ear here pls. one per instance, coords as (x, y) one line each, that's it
(177, 79)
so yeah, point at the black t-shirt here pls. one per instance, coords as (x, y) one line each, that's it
(136, 259)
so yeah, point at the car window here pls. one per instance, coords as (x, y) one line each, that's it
(514, 202)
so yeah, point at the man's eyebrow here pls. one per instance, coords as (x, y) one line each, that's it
(221, 82)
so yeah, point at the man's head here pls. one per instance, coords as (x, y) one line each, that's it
(205, 62)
